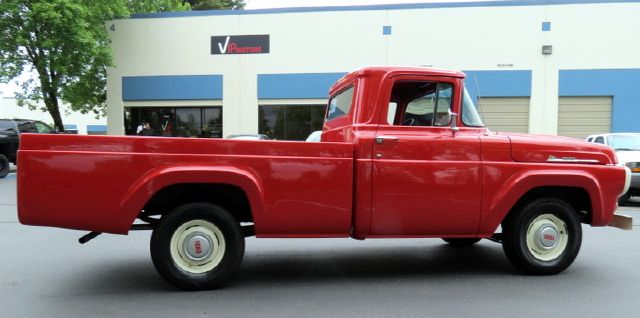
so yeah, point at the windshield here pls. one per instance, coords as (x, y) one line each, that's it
(470, 115)
(6, 125)
(624, 142)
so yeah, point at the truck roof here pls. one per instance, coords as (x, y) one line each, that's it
(387, 69)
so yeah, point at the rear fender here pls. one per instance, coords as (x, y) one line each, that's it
(160, 178)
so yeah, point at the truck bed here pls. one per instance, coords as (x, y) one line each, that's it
(101, 183)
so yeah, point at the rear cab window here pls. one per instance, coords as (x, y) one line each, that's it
(340, 104)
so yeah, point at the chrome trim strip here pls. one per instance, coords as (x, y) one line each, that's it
(571, 160)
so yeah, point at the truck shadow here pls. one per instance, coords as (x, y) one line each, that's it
(383, 263)
(321, 266)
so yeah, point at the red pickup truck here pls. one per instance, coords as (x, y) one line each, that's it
(395, 161)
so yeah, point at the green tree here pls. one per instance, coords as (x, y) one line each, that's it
(149, 6)
(66, 44)
(216, 4)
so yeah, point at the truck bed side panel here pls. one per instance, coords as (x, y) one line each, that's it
(84, 182)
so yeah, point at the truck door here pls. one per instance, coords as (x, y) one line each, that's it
(426, 178)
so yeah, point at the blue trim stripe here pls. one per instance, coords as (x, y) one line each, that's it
(619, 83)
(508, 83)
(70, 126)
(305, 85)
(403, 6)
(181, 87)
(96, 128)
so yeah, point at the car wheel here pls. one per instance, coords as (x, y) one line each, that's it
(461, 241)
(4, 166)
(623, 199)
(542, 237)
(197, 246)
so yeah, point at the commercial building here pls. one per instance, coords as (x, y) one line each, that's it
(554, 67)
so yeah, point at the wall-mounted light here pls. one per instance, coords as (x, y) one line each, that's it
(547, 49)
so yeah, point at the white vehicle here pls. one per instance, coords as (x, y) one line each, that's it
(627, 147)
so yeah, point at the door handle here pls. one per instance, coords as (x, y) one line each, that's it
(382, 138)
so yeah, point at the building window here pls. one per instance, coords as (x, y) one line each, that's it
(201, 122)
(290, 122)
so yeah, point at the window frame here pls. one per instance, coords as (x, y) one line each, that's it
(455, 97)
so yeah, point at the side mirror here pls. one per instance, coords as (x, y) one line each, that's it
(454, 123)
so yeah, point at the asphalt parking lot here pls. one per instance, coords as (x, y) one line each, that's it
(45, 273)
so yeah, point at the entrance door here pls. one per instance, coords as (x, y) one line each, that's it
(426, 179)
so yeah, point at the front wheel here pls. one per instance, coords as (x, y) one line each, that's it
(197, 246)
(542, 237)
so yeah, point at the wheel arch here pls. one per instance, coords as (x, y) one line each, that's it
(578, 189)
(241, 188)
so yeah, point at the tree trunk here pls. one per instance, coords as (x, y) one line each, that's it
(54, 111)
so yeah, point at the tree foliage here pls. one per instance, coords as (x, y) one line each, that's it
(150, 6)
(216, 4)
(66, 44)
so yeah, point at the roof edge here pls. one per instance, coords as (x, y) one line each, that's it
(401, 6)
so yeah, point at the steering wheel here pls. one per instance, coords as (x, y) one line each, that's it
(408, 122)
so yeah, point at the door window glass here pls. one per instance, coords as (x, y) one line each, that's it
(27, 127)
(421, 103)
(43, 128)
(599, 140)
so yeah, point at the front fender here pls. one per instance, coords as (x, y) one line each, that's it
(499, 203)
(162, 177)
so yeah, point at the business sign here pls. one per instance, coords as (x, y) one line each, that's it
(240, 44)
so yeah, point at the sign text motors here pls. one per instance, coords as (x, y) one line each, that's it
(240, 44)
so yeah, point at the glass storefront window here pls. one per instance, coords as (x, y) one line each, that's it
(290, 122)
(174, 121)
(212, 122)
(189, 122)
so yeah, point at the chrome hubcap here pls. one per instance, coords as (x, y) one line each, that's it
(197, 246)
(547, 237)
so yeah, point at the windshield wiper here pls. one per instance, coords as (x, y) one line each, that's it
(625, 149)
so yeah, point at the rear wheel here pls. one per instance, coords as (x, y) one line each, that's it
(4, 166)
(197, 246)
(461, 241)
(542, 237)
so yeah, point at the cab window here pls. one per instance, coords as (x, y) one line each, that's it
(340, 104)
(420, 103)
(599, 140)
